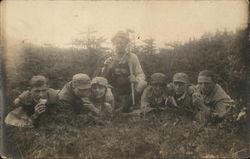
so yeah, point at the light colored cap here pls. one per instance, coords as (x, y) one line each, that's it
(181, 77)
(101, 81)
(120, 36)
(81, 81)
(158, 78)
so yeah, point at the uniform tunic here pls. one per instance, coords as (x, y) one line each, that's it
(219, 102)
(149, 99)
(28, 104)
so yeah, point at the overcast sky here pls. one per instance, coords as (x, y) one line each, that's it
(59, 22)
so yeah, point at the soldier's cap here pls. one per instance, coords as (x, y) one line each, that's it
(181, 77)
(81, 81)
(38, 81)
(101, 81)
(158, 78)
(120, 36)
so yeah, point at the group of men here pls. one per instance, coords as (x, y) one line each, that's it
(121, 87)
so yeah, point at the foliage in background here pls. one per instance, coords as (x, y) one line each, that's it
(153, 137)
(223, 52)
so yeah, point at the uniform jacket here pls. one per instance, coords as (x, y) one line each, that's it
(149, 99)
(218, 101)
(28, 104)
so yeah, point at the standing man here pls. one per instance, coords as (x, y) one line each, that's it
(215, 104)
(124, 73)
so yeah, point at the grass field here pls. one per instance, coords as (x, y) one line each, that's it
(155, 136)
(165, 136)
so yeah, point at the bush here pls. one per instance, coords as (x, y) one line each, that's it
(155, 137)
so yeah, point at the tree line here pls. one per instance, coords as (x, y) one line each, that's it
(222, 52)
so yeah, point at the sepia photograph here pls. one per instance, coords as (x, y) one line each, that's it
(124, 79)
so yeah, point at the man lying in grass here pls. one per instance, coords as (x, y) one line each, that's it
(102, 100)
(217, 106)
(154, 95)
(73, 94)
(33, 105)
(84, 97)
(180, 92)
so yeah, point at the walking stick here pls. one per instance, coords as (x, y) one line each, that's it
(131, 73)
(132, 84)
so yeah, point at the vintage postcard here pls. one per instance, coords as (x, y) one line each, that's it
(124, 79)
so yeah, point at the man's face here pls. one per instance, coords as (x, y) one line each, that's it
(98, 91)
(81, 93)
(120, 46)
(205, 84)
(158, 88)
(180, 87)
(39, 92)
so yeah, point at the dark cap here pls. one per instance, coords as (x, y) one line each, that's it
(158, 78)
(81, 81)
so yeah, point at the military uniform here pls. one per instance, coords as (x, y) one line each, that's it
(25, 109)
(105, 103)
(219, 103)
(27, 102)
(182, 104)
(69, 101)
(148, 99)
(151, 100)
(180, 95)
(117, 74)
(100, 104)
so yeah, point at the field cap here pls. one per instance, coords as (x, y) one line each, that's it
(38, 81)
(81, 81)
(158, 78)
(101, 81)
(120, 37)
(181, 77)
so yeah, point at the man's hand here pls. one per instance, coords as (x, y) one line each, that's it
(86, 100)
(145, 106)
(92, 108)
(40, 108)
(132, 79)
(198, 99)
(108, 107)
(170, 89)
(108, 61)
(88, 104)
(17, 101)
